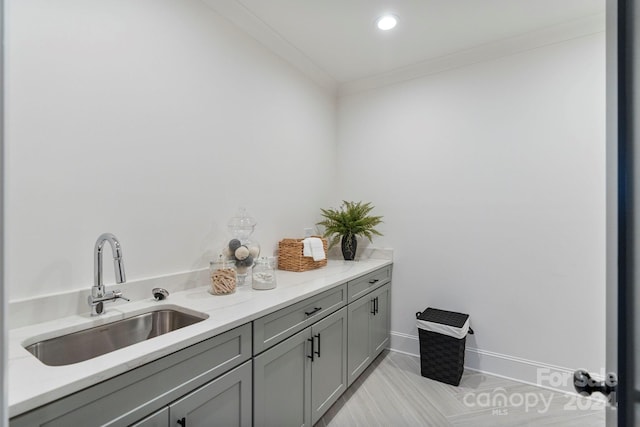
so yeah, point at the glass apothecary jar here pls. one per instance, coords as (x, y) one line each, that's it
(241, 248)
(224, 278)
(264, 273)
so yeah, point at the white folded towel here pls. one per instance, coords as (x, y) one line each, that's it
(312, 247)
(306, 247)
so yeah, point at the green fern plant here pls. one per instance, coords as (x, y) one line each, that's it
(352, 219)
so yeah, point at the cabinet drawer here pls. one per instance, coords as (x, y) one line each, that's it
(365, 284)
(275, 327)
(128, 397)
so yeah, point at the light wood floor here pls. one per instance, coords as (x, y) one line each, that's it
(392, 393)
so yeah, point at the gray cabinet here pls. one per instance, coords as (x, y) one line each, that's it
(282, 383)
(296, 381)
(277, 326)
(362, 285)
(380, 320)
(329, 364)
(368, 329)
(224, 402)
(359, 335)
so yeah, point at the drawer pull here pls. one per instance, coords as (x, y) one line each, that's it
(374, 306)
(371, 282)
(311, 339)
(318, 351)
(314, 311)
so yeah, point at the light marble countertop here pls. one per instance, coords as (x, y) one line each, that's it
(33, 384)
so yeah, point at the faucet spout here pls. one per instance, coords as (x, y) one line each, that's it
(98, 291)
(116, 249)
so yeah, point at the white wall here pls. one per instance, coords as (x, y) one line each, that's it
(491, 179)
(154, 120)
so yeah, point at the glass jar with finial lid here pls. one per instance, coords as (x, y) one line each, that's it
(241, 248)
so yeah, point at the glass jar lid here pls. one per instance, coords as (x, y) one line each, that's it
(263, 260)
(241, 225)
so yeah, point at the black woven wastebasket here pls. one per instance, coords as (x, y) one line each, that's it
(443, 335)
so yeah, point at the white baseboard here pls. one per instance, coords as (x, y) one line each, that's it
(405, 343)
(526, 371)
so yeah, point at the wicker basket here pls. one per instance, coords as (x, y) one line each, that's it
(290, 256)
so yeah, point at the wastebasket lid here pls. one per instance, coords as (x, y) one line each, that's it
(450, 318)
(444, 322)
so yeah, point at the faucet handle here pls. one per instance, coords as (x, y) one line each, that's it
(118, 294)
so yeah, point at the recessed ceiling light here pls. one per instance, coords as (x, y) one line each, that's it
(387, 22)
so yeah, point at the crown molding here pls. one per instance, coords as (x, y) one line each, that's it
(235, 12)
(243, 18)
(547, 36)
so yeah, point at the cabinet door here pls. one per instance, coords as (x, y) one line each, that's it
(282, 383)
(157, 419)
(329, 366)
(380, 320)
(224, 402)
(359, 337)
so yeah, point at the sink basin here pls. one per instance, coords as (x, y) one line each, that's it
(84, 345)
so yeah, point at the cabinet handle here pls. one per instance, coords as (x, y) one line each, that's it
(311, 339)
(318, 352)
(183, 422)
(315, 310)
(371, 282)
(373, 306)
(376, 305)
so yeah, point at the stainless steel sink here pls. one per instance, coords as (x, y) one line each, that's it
(84, 345)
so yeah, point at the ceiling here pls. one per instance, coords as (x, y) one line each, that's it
(336, 41)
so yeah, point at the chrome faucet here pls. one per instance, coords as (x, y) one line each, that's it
(99, 294)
